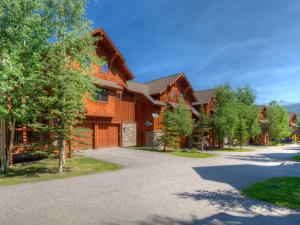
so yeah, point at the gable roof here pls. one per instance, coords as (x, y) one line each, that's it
(142, 89)
(204, 96)
(107, 83)
(111, 46)
(159, 85)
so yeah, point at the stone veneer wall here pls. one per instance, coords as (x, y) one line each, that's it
(128, 134)
(153, 138)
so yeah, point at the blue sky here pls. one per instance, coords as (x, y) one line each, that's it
(254, 42)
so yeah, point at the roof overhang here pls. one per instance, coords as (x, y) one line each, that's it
(107, 84)
(107, 42)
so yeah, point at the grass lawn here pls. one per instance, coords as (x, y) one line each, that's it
(296, 158)
(281, 191)
(192, 154)
(176, 153)
(231, 150)
(47, 170)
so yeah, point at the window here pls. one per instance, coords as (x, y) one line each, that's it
(101, 95)
(18, 138)
(173, 94)
(33, 136)
(118, 96)
(104, 68)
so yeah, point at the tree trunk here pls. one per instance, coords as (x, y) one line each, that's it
(3, 146)
(61, 160)
(202, 145)
(12, 127)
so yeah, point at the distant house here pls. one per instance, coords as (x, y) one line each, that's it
(153, 97)
(293, 125)
(263, 138)
(206, 100)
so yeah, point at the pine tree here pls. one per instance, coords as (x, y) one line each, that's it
(169, 129)
(202, 127)
(177, 123)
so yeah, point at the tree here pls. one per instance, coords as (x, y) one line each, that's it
(169, 129)
(177, 123)
(66, 80)
(224, 118)
(248, 115)
(278, 122)
(23, 38)
(202, 126)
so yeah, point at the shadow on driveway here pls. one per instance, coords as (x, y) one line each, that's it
(223, 218)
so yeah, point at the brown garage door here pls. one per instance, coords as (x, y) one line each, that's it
(107, 136)
(84, 140)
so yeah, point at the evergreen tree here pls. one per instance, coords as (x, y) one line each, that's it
(177, 123)
(202, 127)
(278, 122)
(169, 129)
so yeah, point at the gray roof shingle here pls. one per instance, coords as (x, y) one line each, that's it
(159, 85)
(142, 89)
(204, 96)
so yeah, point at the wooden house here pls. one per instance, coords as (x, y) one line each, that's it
(151, 100)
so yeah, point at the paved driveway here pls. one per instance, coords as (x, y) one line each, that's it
(155, 188)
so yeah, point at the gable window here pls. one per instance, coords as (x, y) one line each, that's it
(101, 95)
(118, 96)
(173, 94)
(104, 68)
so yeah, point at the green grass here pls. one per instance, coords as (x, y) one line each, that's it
(296, 158)
(281, 191)
(47, 170)
(176, 153)
(192, 154)
(150, 149)
(231, 150)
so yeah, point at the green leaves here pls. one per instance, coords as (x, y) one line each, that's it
(236, 115)
(278, 122)
(177, 123)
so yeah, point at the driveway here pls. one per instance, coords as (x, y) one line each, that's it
(156, 188)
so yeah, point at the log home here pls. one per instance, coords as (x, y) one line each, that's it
(152, 98)
(263, 138)
(294, 127)
(111, 113)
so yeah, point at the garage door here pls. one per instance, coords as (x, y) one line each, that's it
(107, 135)
(84, 139)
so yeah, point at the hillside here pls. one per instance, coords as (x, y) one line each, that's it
(293, 108)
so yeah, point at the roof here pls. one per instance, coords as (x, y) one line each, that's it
(204, 96)
(194, 111)
(107, 83)
(108, 43)
(159, 85)
(142, 89)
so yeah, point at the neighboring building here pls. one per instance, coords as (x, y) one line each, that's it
(206, 99)
(263, 138)
(153, 97)
(293, 125)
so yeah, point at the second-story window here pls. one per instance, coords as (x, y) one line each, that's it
(101, 95)
(104, 68)
(173, 94)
